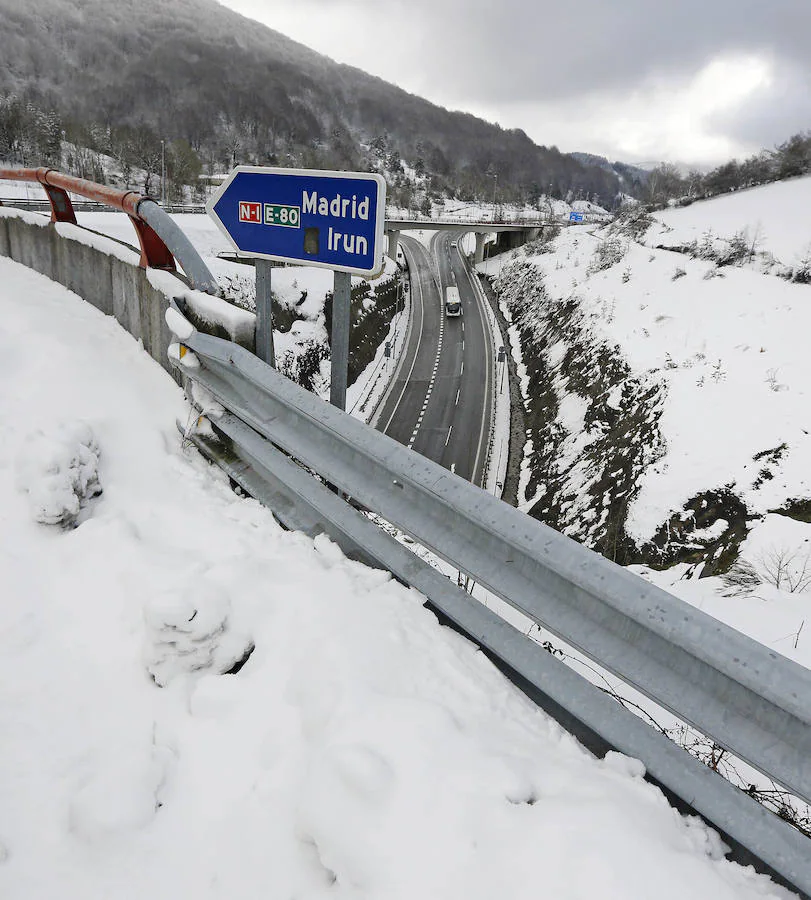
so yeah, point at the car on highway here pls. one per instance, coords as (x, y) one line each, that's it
(453, 303)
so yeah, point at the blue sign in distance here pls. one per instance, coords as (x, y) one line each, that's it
(333, 220)
(575, 217)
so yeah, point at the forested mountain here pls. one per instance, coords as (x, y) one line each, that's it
(120, 75)
(632, 178)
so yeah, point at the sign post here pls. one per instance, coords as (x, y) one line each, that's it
(339, 341)
(331, 220)
(264, 313)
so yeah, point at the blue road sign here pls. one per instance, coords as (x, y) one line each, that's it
(333, 220)
(575, 217)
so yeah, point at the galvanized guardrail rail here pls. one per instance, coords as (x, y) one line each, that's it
(273, 435)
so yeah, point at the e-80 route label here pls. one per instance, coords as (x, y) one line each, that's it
(272, 214)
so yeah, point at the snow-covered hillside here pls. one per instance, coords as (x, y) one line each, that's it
(361, 751)
(667, 399)
(773, 219)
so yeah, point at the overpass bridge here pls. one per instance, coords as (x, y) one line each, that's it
(520, 232)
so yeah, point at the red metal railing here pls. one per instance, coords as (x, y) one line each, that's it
(154, 252)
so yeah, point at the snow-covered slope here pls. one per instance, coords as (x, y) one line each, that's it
(361, 752)
(731, 355)
(774, 219)
(668, 400)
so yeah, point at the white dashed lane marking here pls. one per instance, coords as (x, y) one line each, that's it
(431, 382)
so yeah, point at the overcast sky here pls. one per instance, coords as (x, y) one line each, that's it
(690, 81)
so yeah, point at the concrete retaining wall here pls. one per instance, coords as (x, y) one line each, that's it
(106, 274)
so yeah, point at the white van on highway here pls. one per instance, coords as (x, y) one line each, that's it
(453, 303)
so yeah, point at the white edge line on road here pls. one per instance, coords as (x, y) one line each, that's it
(436, 360)
(416, 352)
(477, 291)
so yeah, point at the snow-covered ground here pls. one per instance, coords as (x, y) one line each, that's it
(727, 348)
(362, 750)
(21, 190)
(731, 346)
(774, 218)
(207, 239)
(510, 212)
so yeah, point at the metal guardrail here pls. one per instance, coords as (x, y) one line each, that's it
(159, 237)
(32, 203)
(750, 700)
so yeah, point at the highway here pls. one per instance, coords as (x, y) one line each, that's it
(440, 400)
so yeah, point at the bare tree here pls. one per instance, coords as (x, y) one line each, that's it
(788, 570)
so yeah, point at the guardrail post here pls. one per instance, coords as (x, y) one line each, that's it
(341, 306)
(61, 207)
(264, 313)
(154, 253)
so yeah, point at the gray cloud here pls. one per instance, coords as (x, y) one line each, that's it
(518, 49)
(566, 58)
(784, 110)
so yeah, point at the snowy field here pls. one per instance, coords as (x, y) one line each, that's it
(21, 190)
(361, 752)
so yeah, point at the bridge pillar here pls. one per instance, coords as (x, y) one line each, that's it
(394, 236)
(478, 256)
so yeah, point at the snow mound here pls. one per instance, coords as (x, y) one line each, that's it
(58, 469)
(190, 632)
(120, 796)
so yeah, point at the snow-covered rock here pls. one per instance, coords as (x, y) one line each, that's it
(118, 796)
(189, 632)
(59, 470)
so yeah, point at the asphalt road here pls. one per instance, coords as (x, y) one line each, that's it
(440, 401)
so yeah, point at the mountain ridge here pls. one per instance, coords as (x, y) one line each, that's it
(238, 91)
